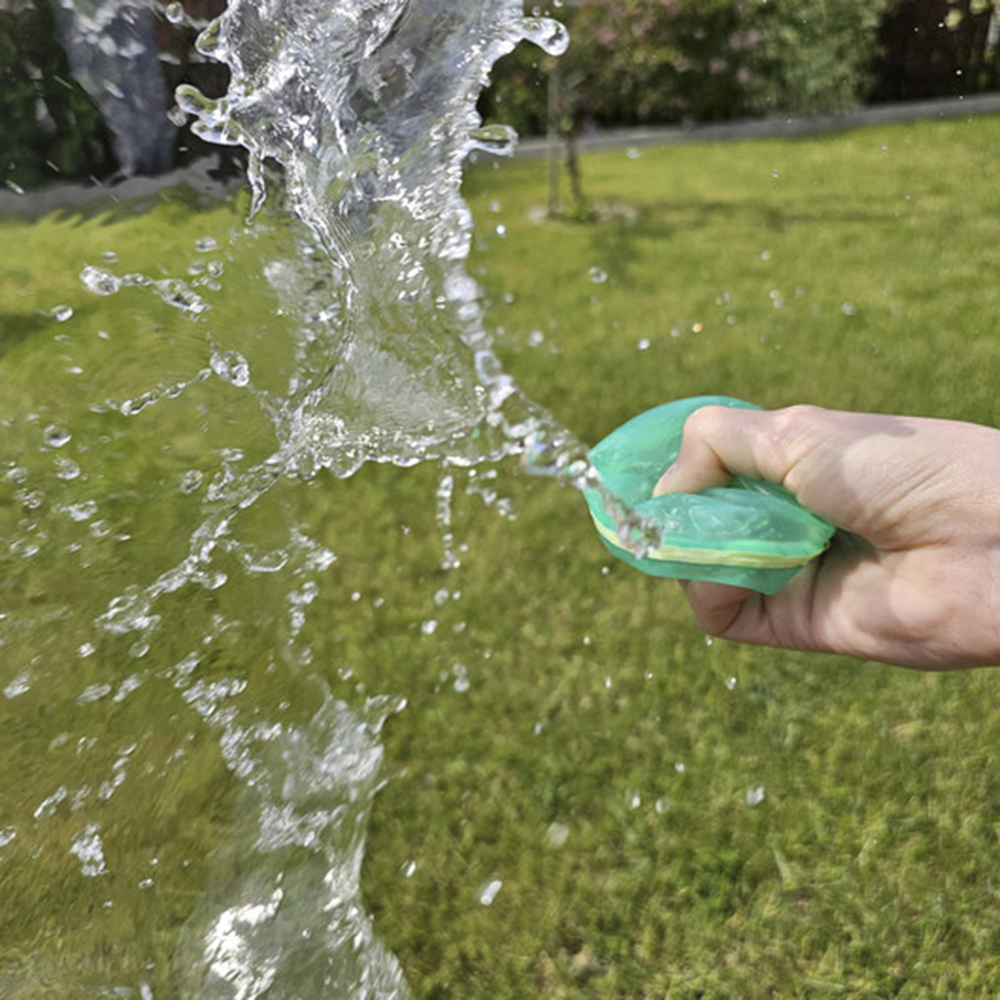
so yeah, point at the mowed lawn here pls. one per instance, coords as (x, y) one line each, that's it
(584, 797)
(606, 761)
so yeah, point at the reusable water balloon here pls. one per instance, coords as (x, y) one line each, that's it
(747, 534)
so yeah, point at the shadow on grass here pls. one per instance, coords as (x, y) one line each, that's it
(17, 327)
(615, 243)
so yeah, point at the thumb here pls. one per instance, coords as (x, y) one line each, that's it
(720, 442)
(716, 606)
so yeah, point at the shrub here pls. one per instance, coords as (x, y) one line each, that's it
(662, 61)
(811, 55)
(50, 126)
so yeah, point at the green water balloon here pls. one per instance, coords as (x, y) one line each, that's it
(749, 533)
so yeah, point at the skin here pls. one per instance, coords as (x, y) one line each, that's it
(912, 577)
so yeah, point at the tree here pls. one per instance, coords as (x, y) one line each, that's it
(670, 61)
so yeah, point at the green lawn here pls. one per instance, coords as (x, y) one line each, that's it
(667, 817)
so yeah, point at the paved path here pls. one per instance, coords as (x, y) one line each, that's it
(96, 197)
(772, 128)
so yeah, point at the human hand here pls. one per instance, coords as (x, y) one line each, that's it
(913, 576)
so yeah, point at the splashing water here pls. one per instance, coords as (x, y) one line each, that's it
(369, 108)
(358, 116)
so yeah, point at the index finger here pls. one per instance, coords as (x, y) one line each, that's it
(719, 443)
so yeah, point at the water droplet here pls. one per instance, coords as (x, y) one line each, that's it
(643, 344)
(16, 188)
(175, 293)
(489, 892)
(191, 480)
(548, 34)
(409, 869)
(536, 338)
(501, 230)
(62, 313)
(205, 244)
(497, 139)
(755, 796)
(597, 276)
(176, 116)
(557, 835)
(632, 153)
(429, 627)
(174, 13)
(461, 675)
(66, 468)
(88, 848)
(679, 767)
(634, 800)
(19, 685)
(99, 281)
(766, 255)
(847, 308)
(231, 367)
(730, 683)
(93, 693)
(56, 436)
(82, 511)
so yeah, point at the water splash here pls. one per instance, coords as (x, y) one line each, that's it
(358, 116)
(295, 926)
(369, 109)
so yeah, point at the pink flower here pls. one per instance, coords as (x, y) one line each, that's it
(641, 27)
(607, 36)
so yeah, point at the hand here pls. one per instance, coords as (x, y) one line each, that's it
(913, 576)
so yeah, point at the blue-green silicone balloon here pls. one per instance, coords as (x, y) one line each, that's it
(747, 534)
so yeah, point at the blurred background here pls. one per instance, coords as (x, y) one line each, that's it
(65, 115)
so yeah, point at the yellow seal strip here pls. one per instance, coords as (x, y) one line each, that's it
(707, 557)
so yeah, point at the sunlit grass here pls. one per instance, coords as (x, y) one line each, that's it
(849, 271)
(667, 817)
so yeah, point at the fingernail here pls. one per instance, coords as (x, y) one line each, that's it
(663, 483)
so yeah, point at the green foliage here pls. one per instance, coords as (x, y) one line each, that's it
(518, 95)
(811, 55)
(50, 126)
(661, 61)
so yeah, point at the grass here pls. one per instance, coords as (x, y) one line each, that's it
(568, 732)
